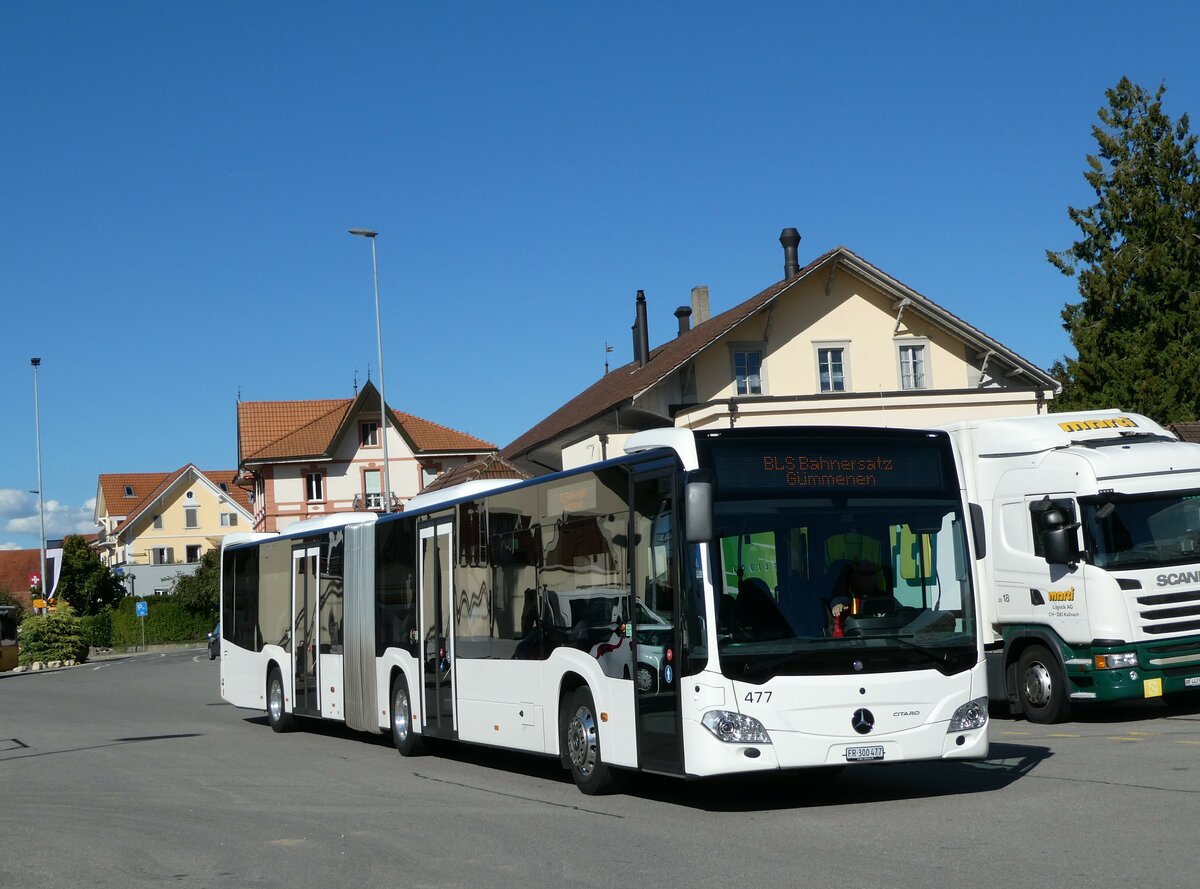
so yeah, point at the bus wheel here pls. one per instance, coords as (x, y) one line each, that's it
(581, 743)
(1042, 686)
(408, 742)
(277, 715)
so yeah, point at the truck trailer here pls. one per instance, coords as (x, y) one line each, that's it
(1087, 531)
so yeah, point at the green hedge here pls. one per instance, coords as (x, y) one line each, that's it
(98, 628)
(168, 620)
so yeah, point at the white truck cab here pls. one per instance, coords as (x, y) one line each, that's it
(1089, 557)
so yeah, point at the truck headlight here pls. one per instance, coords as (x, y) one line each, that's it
(971, 715)
(1118, 661)
(735, 728)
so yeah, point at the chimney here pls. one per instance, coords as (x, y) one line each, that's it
(700, 304)
(641, 333)
(790, 239)
(684, 315)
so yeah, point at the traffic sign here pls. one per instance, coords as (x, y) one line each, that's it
(143, 608)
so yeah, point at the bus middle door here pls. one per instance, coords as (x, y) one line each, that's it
(436, 567)
(306, 687)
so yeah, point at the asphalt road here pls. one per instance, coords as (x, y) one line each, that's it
(133, 773)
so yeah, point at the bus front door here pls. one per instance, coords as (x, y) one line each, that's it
(656, 620)
(437, 610)
(306, 682)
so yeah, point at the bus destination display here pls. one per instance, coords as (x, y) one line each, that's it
(826, 466)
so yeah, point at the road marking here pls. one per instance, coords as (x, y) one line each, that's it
(1063, 735)
(1016, 733)
(1124, 740)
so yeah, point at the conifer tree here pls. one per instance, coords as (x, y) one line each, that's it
(1136, 330)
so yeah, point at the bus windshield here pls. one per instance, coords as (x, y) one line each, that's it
(801, 587)
(1143, 531)
(851, 558)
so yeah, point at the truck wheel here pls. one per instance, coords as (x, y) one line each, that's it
(1042, 686)
(408, 742)
(580, 740)
(277, 715)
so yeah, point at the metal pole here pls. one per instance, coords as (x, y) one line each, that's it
(383, 423)
(37, 422)
(383, 427)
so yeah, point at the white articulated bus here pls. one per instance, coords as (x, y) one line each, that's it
(669, 611)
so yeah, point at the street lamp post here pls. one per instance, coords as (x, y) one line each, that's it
(383, 423)
(37, 423)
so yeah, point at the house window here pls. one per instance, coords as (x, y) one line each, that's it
(831, 368)
(129, 490)
(372, 489)
(229, 520)
(158, 523)
(912, 367)
(162, 555)
(191, 517)
(429, 472)
(160, 591)
(368, 434)
(314, 487)
(747, 370)
(225, 487)
(193, 553)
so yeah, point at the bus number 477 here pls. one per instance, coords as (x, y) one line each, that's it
(757, 697)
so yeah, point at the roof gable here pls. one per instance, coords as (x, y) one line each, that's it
(270, 431)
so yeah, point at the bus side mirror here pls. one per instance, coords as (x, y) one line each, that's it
(698, 505)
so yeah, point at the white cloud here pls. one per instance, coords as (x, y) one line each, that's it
(4, 546)
(15, 502)
(19, 514)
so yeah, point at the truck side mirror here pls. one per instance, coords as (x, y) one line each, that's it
(698, 505)
(1058, 538)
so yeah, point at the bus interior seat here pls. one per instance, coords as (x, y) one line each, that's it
(757, 612)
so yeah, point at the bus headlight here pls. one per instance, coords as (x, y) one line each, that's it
(971, 715)
(735, 728)
(1117, 661)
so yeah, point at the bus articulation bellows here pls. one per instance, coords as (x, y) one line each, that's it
(667, 611)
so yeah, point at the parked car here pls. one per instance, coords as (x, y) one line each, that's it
(214, 642)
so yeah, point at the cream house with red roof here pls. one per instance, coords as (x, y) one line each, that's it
(837, 341)
(156, 525)
(301, 459)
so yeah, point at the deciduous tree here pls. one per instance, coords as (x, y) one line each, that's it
(85, 583)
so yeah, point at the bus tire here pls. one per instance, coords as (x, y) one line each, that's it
(1042, 688)
(407, 742)
(580, 740)
(277, 715)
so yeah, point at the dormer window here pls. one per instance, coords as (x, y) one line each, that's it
(368, 434)
(225, 487)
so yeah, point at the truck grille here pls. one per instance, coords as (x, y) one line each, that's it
(1165, 613)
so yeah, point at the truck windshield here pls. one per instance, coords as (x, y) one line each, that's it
(1143, 531)
(809, 586)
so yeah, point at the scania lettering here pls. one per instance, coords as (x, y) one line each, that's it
(1090, 528)
(667, 611)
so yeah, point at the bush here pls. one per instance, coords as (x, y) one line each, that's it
(168, 621)
(98, 628)
(58, 636)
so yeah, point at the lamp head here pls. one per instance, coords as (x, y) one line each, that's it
(363, 232)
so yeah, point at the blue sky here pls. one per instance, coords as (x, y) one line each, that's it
(179, 179)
